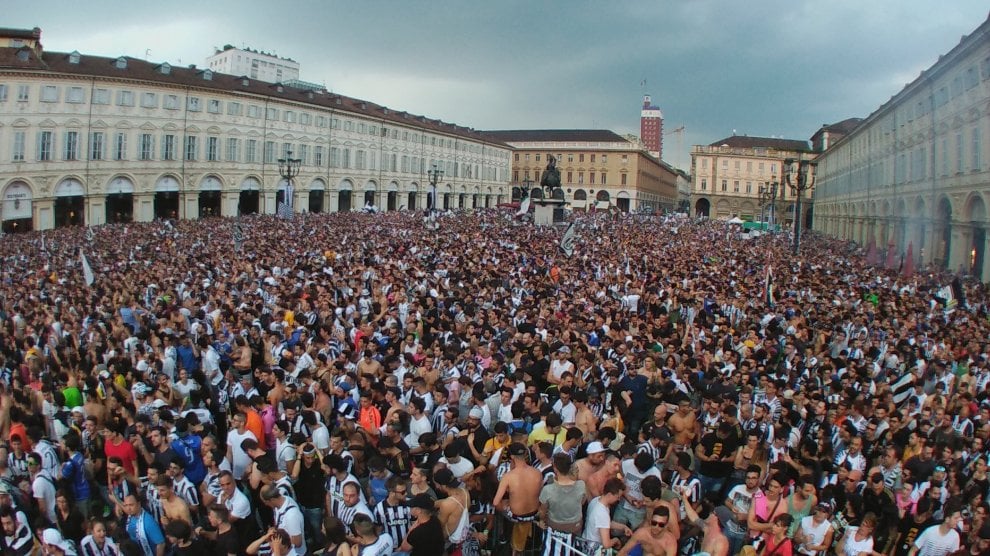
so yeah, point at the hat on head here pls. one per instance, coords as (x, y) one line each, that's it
(54, 538)
(564, 349)
(824, 507)
(422, 501)
(595, 448)
(80, 410)
(476, 413)
(445, 477)
(104, 374)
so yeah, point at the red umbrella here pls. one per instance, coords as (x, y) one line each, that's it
(891, 256)
(908, 270)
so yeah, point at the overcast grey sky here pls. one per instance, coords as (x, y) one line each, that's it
(758, 67)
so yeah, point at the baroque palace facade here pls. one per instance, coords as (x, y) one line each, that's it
(86, 140)
(914, 176)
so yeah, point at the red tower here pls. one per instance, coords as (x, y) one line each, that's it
(651, 127)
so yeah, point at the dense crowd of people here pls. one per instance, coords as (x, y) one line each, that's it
(364, 384)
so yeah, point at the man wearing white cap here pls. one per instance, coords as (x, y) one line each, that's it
(595, 460)
(55, 545)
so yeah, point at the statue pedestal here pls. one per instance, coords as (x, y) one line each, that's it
(547, 212)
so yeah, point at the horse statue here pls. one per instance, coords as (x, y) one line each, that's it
(551, 176)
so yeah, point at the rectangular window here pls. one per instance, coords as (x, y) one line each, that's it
(3, 92)
(623, 178)
(570, 176)
(254, 111)
(318, 156)
(120, 146)
(211, 149)
(171, 102)
(735, 186)
(23, 93)
(71, 146)
(604, 159)
(76, 95)
(725, 185)
(304, 155)
(232, 149)
(975, 158)
(192, 147)
(271, 114)
(581, 178)
(591, 178)
(625, 159)
(945, 157)
(581, 157)
(147, 147)
(289, 117)
(345, 158)
(960, 163)
(604, 179)
(213, 106)
(234, 109)
(149, 100)
(334, 157)
(96, 140)
(251, 151)
(359, 160)
(592, 161)
(321, 121)
(125, 98)
(749, 165)
(18, 154)
(286, 150)
(269, 152)
(192, 104)
(749, 187)
(101, 96)
(49, 93)
(168, 147)
(704, 184)
(45, 145)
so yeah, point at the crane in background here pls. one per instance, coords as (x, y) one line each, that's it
(679, 131)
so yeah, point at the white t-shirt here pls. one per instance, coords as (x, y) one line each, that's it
(459, 469)
(290, 518)
(568, 413)
(416, 428)
(241, 461)
(933, 543)
(598, 518)
(321, 438)
(633, 477)
(854, 547)
(814, 533)
(239, 505)
(43, 488)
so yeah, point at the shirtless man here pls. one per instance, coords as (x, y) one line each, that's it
(453, 510)
(713, 542)
(654, 536)
(683, 425)
(585, 419)
(173, 507)
(522, 484)
(596, 458)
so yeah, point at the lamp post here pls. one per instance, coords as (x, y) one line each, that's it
(435, 175)
(768, 198)
(288, 168)
(799, 175)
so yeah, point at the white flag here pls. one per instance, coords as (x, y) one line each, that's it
(87, 271)
(523, 206)
(567, 240)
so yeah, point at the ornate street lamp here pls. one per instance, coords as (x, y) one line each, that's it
(288, 168)
(768, 198)
(435, 175)
(799, 175)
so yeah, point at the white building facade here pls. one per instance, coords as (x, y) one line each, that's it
(915, 175)
(87, 140)
(253, 64)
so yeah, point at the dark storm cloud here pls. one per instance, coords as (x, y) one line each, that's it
(760, 68)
